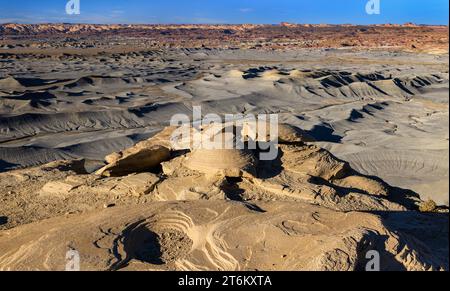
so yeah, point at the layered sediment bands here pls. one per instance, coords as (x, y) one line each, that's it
(31, 124)
(353, 112)
(333, 86)
(231, 163)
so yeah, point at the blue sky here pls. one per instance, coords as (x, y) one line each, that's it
(225, 11)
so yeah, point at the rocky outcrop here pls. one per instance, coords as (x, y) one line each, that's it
(205, 210)
(136, 160)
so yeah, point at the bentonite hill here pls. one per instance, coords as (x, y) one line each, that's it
(88, 159)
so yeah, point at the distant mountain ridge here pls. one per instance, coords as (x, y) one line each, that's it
(50, 28)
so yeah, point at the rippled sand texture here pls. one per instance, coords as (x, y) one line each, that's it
(386, 113)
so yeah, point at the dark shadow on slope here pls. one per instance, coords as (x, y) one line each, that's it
(271, 168)
(6, 166)
(140, 243)
(355, 115)
(148, 108)
(77, 166)
(33, 96)
(34, 82)
(376, 242)
(3, 220)
(232, 189)
(324, 133)
(234, 193)
(426, 233)
(404, 197)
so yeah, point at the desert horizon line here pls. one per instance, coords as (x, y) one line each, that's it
(228, 24)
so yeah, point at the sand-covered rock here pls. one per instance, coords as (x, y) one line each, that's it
(285, 133)
(224, 162)
(313, 161)
(138, 159)
(57, 188)
(136, 184)
(212, 209)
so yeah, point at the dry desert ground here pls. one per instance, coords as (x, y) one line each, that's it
(87, 161)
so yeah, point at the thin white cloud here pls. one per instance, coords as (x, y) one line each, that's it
(245, 10)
